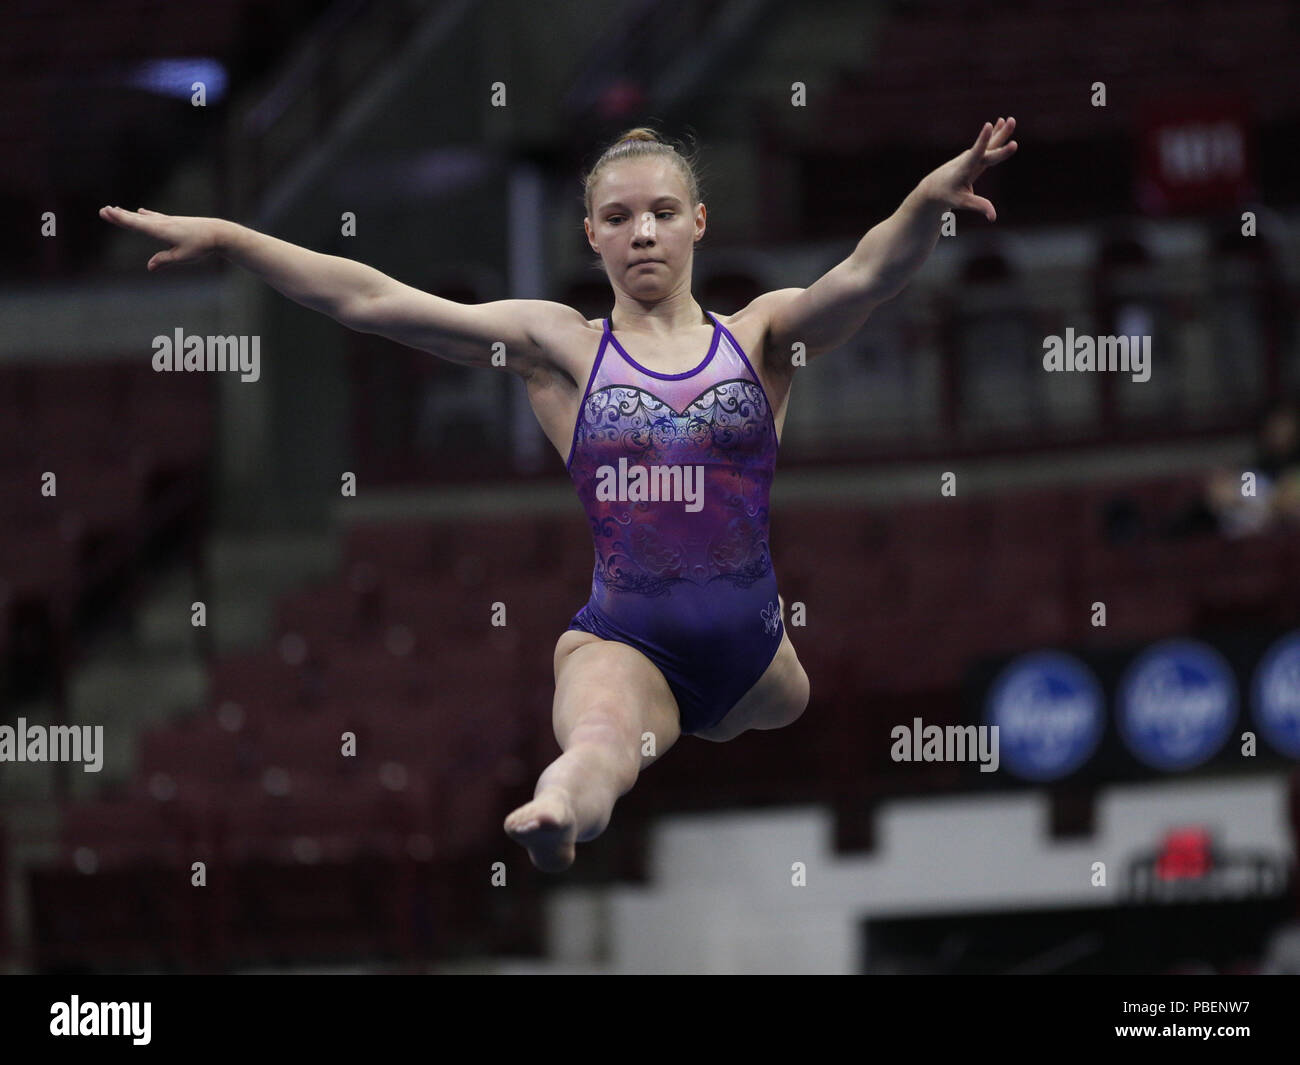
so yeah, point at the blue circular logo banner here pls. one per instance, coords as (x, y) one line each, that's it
(1276, 695)
(1177, 704)
(1050, 713)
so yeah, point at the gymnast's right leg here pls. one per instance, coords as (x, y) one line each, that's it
(607, 696)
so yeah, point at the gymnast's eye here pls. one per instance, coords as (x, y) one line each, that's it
(614, 218)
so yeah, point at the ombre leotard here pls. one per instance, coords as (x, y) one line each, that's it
(674, 471)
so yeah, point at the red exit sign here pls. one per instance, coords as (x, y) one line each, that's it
(1195, 155)
(1185, 854)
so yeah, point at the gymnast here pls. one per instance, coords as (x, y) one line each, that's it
(684, 630)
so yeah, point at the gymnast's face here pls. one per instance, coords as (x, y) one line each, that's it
(642, 211)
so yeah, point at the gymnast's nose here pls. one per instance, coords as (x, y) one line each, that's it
(645, 230)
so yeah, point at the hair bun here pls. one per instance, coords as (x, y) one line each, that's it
(641, 133)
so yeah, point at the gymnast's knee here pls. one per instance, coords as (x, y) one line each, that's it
(803, 693)
(797, 693)
(609, 728)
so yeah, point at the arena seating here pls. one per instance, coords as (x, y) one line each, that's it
(451, 716)
(134, 137)
(129, 450)
(900, 97)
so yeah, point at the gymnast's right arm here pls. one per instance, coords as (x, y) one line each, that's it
(354, 294)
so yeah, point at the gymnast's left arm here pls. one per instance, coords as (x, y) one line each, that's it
(828, 312)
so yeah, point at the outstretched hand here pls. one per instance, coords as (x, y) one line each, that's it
(191, 239)
(953, 182)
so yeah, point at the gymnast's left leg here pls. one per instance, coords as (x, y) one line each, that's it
(607, 697)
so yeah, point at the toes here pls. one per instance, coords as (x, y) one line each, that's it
(552, 861)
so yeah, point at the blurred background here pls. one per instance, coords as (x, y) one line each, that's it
(1154, 195)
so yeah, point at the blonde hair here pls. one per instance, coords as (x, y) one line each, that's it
(644, 143)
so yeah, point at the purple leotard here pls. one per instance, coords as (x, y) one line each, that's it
(674, 471)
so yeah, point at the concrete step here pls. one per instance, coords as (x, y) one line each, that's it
(32, 830)
(271, 564)
(27, 781)
(247, 574)
(126, 694)
(240, 621)
(135, 690)
(163, 622)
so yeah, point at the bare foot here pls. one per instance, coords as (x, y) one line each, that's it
(548, 828)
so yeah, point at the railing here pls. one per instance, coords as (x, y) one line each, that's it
(343, 49)
(658, 54)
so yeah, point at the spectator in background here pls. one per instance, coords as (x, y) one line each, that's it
(1223, 506)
